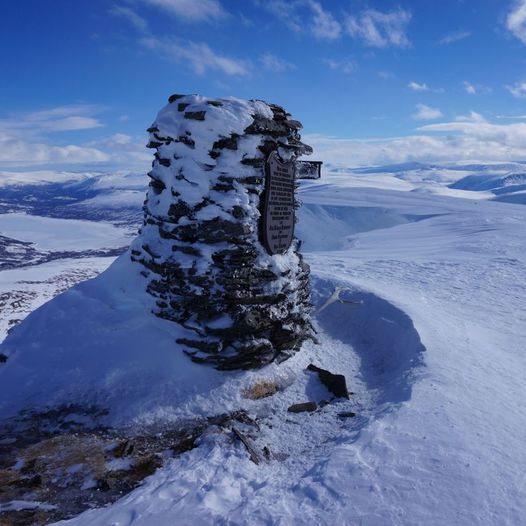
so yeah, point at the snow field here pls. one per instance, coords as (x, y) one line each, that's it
(430, 335)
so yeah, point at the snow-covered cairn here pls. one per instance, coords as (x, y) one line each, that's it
(200, 244)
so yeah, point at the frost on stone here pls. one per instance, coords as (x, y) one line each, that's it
(200, 244)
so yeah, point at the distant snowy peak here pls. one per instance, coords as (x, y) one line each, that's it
(115, 197)
(41, 177)
(391, 168)
(469, 166)
(494, 182)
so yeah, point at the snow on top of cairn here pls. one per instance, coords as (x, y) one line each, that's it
(223, 117)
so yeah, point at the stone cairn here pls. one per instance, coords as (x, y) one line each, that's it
(200, 244)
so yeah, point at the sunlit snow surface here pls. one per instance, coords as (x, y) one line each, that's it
(433, 345)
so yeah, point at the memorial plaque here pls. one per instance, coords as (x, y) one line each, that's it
(278, 211)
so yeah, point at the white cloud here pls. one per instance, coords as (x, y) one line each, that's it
(475, 89)
(199, 56)
(500, 137)
(272, 63)
(118, 150)
(20, 151)
(69, 123)
(426, 113)
(324, 25)
(470, 88)
(415, 86)
(516, 20)
(519, 117)
(454, 37)
(443, 142)
(472, 116)
(124, 150)
(304, 16)
(28, 139)
(286, 11)
(131, 16)
(379, 29)
(191, 10)
(345, 66)
(518, 90)
(58, 119)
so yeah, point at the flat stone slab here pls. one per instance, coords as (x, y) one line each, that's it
(303, 407)
(335, 383)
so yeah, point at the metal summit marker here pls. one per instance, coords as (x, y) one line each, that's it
(278, 209)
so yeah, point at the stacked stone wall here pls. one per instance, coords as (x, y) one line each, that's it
(200, 244)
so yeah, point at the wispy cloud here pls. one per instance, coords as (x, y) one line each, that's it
(415, 86)
(304, 16)
(374, 28)
(130, 16)
(286, 12)
(324, 25)
(518, 117)
(58, 119)
(475, 89)
(422, 86)
(472, 116)
(469, 88)
(380, 29)
(456, 36)
(516, 20)
(426, 113)
(518, 90)
(272, 63)
(199, 56)
(345, 66)
(191, 10)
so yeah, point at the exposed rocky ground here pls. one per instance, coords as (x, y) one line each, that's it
(58, 463)
(88, 198)
(15, 254)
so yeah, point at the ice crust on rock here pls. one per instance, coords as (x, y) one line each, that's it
(199, 246)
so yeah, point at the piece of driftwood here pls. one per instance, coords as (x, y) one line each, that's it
(254, 455)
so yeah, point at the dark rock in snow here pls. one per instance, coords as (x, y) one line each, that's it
(195, 115)
(335, 383)
(304, 407)
(174, 97)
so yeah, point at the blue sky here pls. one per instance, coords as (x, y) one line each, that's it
(373, 82)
